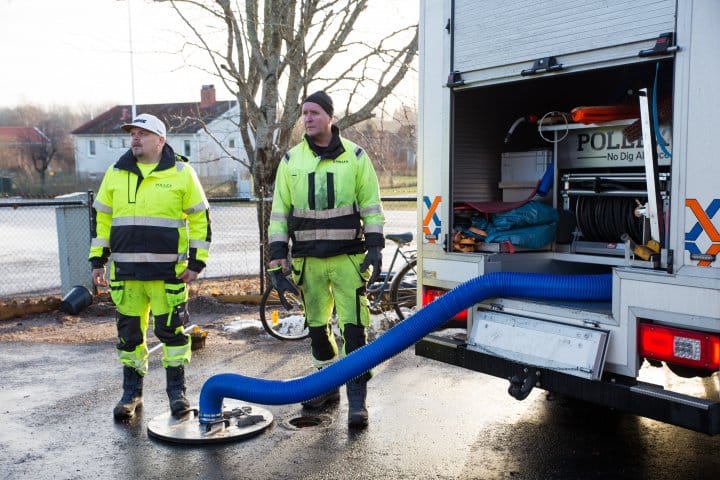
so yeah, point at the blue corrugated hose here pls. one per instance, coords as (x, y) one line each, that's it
(398, 338)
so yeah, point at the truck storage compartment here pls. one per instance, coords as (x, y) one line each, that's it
(495, 40)
(508, 136)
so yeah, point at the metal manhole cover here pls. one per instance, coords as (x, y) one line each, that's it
(240, 421)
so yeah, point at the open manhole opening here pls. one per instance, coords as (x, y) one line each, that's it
(308, 421)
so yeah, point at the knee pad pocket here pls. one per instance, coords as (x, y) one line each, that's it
(130, 335)
(320, 344)
(354, 337)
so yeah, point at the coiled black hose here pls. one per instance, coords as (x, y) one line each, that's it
(606, 219)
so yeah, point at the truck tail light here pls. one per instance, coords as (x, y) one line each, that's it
(431, 293)
(678, 346)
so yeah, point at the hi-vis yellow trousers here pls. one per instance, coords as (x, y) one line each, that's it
(135, 300)
(327, 284)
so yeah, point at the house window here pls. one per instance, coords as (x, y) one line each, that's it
(124, 143)
(187, 148)
(231, 143)
(91, 147)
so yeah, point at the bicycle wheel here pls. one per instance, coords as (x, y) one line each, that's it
(280, 322)
(403, 291)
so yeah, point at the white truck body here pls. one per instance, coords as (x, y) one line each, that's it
(484, 65)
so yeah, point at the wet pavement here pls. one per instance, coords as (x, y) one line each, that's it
(427, 420)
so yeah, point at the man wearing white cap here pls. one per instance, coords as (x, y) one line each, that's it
(151, 220)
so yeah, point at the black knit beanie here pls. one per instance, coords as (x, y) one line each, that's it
(322, 99)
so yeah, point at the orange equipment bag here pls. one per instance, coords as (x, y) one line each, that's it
(604, 113)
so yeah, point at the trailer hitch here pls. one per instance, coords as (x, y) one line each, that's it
(521, 384)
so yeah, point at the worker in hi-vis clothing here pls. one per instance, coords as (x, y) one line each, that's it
(151, 220)
(326, 205)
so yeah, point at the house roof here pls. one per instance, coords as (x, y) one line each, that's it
(179, 118)
(22, 135)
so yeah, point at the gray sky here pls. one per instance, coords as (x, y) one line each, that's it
(76, 52)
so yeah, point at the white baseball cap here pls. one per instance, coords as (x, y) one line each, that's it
(147, 122)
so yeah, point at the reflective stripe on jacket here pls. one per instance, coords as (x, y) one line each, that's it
(326, 207)
(154, 227)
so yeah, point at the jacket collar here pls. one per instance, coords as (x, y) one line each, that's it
(333, 150)
(129, 162)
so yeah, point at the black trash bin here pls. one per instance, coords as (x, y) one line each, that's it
(76, 300)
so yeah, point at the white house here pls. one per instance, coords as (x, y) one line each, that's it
(206, 132)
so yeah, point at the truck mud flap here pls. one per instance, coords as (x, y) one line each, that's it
(618, 392)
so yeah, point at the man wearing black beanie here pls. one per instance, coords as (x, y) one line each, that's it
(323, 99)
(326, 208)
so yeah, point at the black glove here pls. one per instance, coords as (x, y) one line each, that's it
(372, 257)
(281, 283)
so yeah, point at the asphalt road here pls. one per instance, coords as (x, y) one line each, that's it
(427, 420)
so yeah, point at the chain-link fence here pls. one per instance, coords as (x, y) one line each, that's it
(37, 239)
(29, 260)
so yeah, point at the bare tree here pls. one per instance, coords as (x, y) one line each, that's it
(42, 154)
(272, 52)
(45, 146)
(390, 138)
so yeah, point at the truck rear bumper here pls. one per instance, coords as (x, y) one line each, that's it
(621, 393)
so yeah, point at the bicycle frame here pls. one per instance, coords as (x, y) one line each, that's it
(376, 292)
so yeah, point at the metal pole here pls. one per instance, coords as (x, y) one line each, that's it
(132, 66)
(263, 239)
(91, 221)
(651, 165)
(186, 330)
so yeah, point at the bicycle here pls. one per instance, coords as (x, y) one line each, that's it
(389, 292)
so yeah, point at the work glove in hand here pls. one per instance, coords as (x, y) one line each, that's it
(281, 283)
(372, 258)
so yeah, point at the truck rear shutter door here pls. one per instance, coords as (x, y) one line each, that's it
(494, 40)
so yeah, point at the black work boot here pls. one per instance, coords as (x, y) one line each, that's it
(176, 390)
(132, 394)
(325, 400)
(357, 411)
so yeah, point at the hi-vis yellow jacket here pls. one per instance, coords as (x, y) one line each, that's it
(152, 227)
(326, 206)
